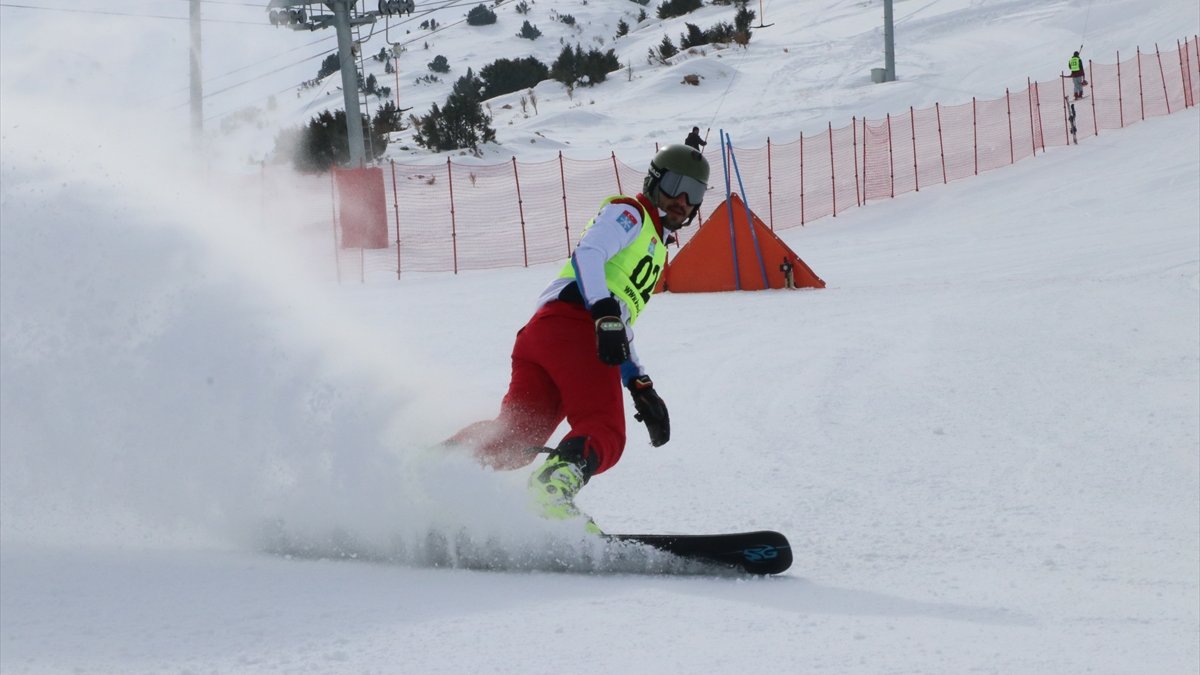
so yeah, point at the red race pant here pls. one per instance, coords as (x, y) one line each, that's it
(556, 375)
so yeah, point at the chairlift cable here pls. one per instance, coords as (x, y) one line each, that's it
(725, 94)
(448, 4)
(1087, 14)
(14, 5)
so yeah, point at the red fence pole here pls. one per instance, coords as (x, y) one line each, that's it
(863, 186)
(1141, 90)
(770, 194)
(1032, 131)
(453, 223)
(1163, 76)
(859, 186)
(1037, 91)
(801, 179)
(1187, 56)
(832, 170)
(562, 177)
(891, 160)
(941, 143)
(1092, 96)
(520, 212)
(912, 120)
(615, 172)
(975, 132)
(396, 206)
(1187, 91)
(1012, 154)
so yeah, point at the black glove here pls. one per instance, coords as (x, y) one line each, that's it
(650, 410)
(611, 342)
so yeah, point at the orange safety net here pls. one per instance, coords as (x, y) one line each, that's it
(455, 217)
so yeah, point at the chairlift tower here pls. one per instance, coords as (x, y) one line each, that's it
(888, 72)
(194, 74)
(297, 15)
(889, 43)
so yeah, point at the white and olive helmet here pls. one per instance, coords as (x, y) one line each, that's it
(678, 169)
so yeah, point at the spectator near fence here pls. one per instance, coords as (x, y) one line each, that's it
(693, 139)
(788, 269)
(1075, 64)
(570, 360)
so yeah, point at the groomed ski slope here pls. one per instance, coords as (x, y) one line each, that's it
(981, 439)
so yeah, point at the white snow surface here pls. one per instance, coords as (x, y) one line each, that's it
(983, 438)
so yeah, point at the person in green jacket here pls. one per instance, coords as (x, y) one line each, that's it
(1075, 64)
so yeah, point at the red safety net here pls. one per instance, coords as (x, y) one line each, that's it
(456, 217)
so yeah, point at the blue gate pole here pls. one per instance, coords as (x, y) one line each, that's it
(737, 275)
(749, 216)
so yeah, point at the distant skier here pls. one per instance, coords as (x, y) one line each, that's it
(1075, 64)
(570, 360)
(693, 139)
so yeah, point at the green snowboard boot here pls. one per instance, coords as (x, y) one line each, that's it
(554, 485)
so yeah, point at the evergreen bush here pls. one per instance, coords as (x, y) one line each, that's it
(460, 123)
(480, 15)
(674, 8)
(574, 66)
(529, 31)
(504, 76)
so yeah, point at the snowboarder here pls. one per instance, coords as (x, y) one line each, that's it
(1075, 64)
(572, 357)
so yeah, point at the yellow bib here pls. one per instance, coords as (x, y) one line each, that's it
(632, 274)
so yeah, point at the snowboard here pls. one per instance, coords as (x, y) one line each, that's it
(756, 553)
(764, 552)
(1071, 119)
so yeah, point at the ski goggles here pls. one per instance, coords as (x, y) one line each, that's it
(673, 184)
